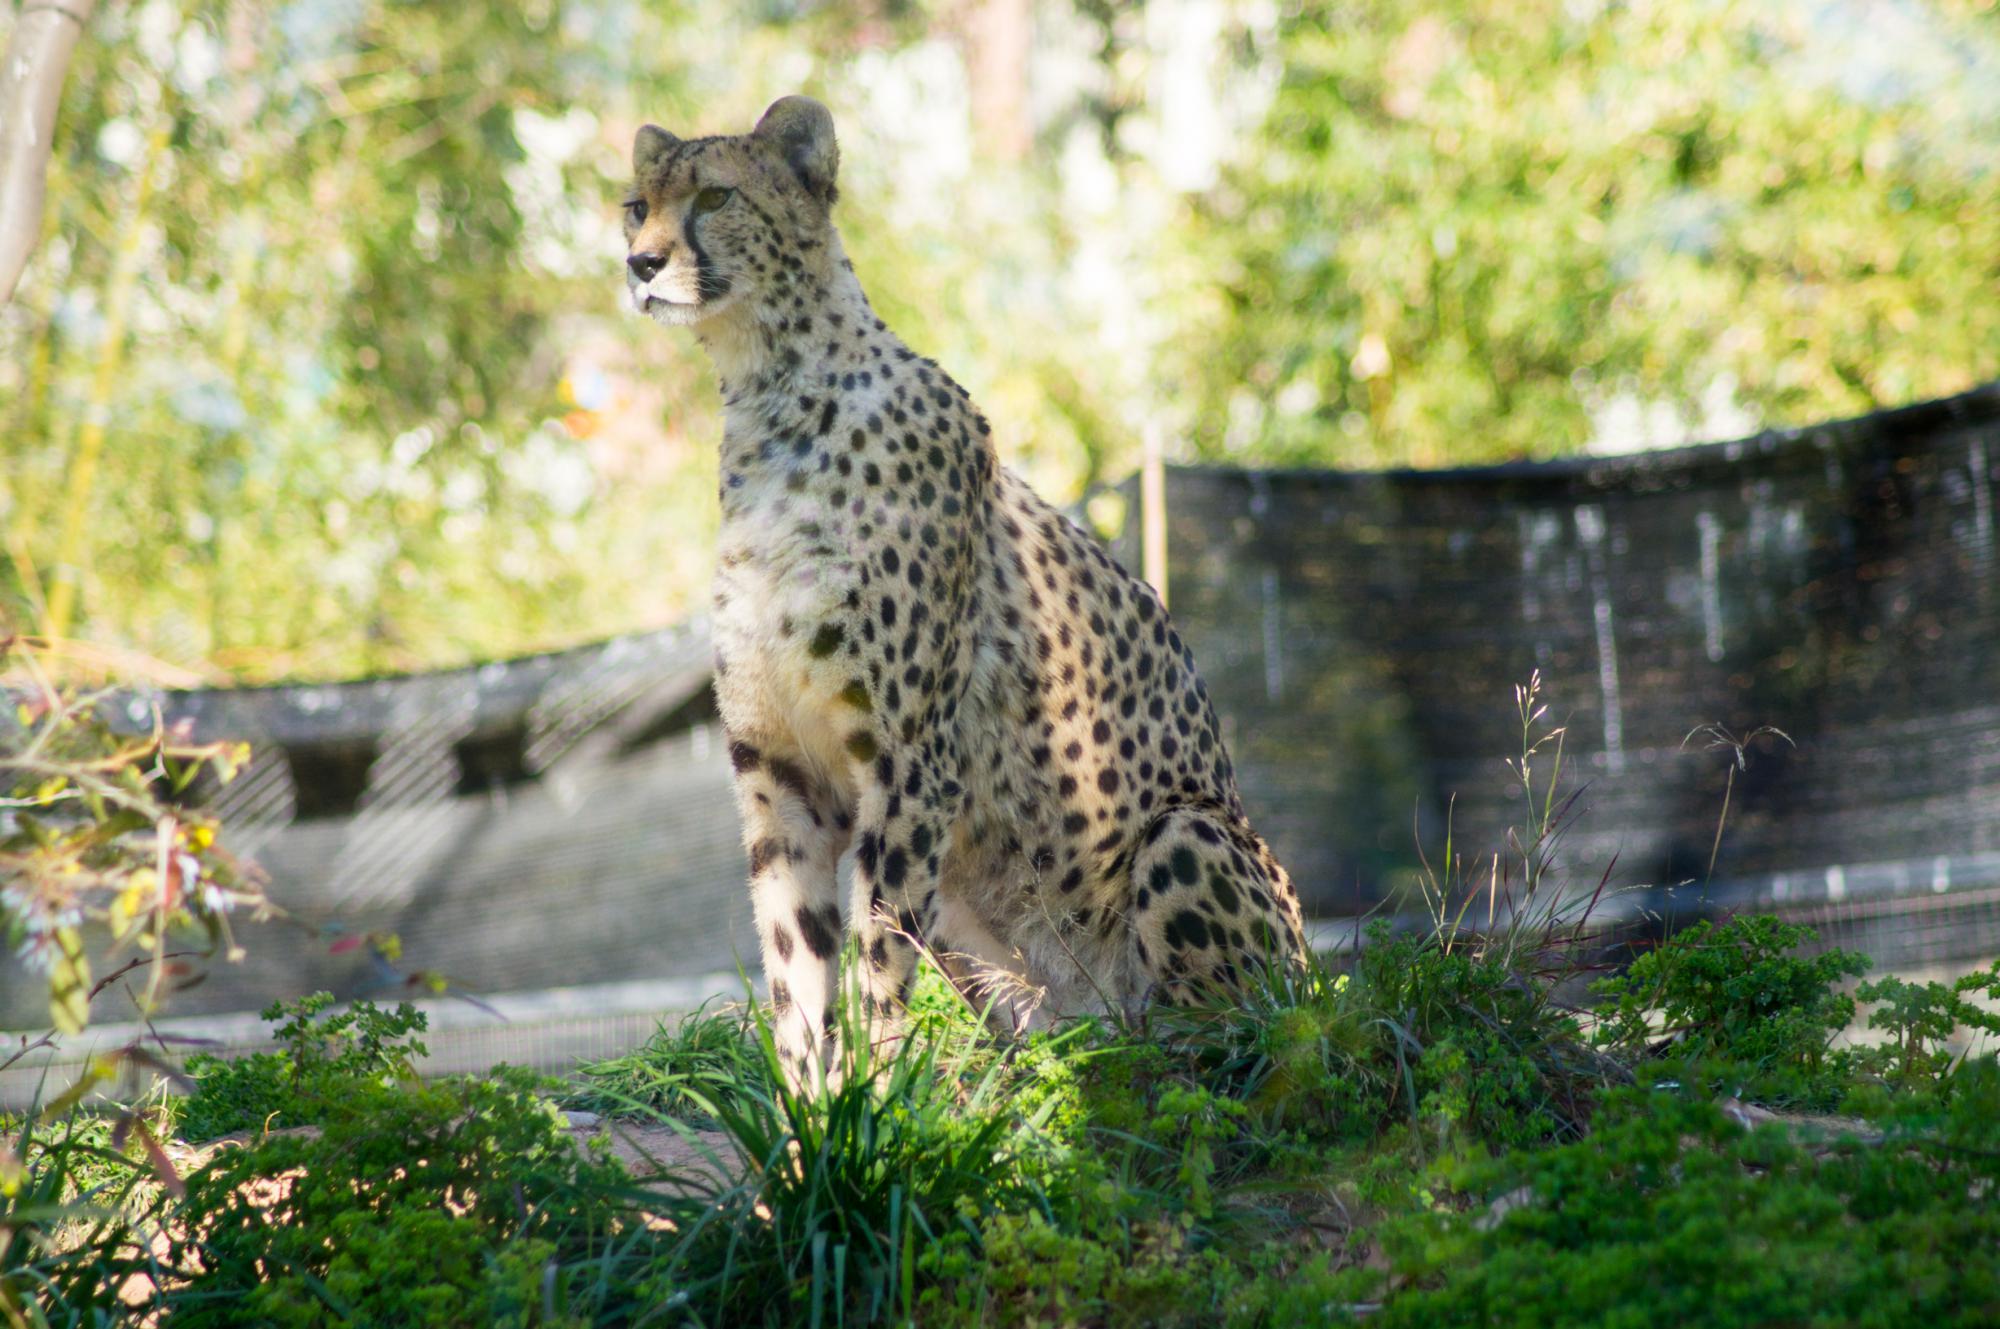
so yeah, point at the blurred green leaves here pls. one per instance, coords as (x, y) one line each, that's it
(1467, 228)
(347, 386)
(333, 422)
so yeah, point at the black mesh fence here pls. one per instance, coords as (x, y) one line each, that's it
(1362, 634)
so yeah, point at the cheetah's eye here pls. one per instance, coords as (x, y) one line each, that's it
(711, 198)
(635, 211)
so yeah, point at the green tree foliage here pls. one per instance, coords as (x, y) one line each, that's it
(331, 240)
(1465, 224)
(321, 368)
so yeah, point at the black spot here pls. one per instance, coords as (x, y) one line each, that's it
(827, 640)
(1107, 780)
(1186, 928)
(894, 867)
(781, 941)
(743, 757)
(1185, 867)
(762, 854)
(820, 939)
(788, 776)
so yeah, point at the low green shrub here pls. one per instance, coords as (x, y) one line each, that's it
(1672, 1212)
(1739, 994)
(1478, 1164)
(1021, 1269)
(322, 1053)
(412, 1204)
(1921, 1018)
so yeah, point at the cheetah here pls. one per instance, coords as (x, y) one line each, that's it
(919, 658)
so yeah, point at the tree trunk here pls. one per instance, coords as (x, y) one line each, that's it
(999, 36)
(31, 80)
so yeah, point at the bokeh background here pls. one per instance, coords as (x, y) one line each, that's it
(322, 367)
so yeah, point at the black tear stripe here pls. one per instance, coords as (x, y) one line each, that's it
(708, 283)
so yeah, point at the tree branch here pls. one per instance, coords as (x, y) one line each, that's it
(31, 80)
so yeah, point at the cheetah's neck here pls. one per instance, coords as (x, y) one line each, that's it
(816, 314)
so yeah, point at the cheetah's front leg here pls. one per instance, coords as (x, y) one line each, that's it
(794, 829)
(901, 828)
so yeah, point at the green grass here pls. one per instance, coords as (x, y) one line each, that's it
(1429, 1135)
(678, 1070)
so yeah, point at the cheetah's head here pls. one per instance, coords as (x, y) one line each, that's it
(713, 223)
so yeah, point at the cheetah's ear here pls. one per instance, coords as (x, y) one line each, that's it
(652, 144)
(803, 130)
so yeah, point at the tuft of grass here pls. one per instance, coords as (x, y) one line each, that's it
(707, 1055)
(847, 1183)
(66, 1186)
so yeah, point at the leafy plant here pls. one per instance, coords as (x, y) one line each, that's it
(1738, 993)
(1920, 1017)
(1673, 1211)
(1019, 1268)
(88, 835)
(412, 1203)
(321, 1053)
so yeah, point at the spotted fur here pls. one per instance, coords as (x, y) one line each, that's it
(918, 658)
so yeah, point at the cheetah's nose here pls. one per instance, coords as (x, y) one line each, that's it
(646, 266)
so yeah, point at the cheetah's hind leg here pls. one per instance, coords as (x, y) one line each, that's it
(1211, 907)
(988, 974)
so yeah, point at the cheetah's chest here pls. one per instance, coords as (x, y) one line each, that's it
(785, 574)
